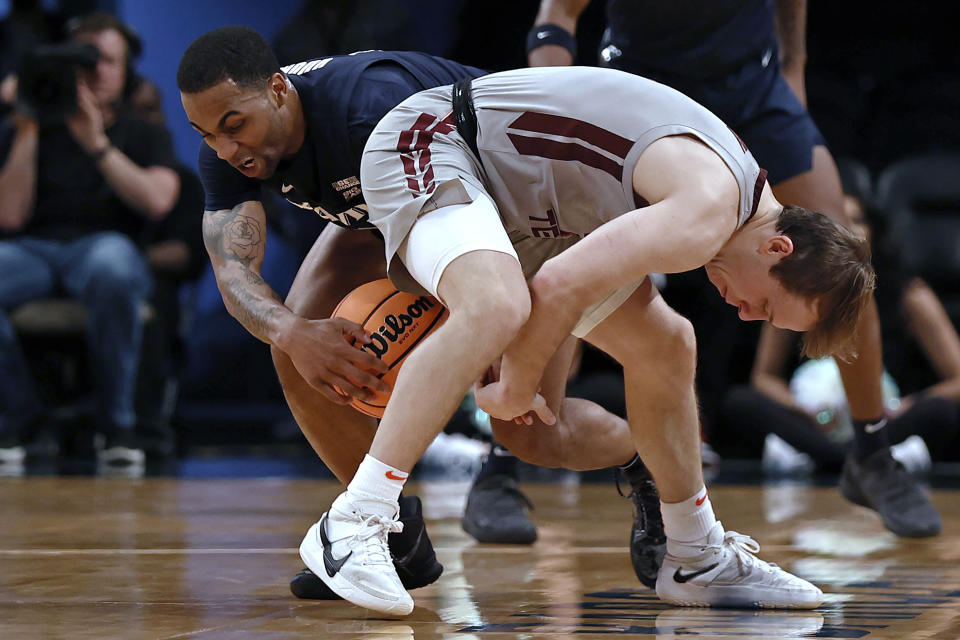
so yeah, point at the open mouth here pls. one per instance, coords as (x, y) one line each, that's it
(247, 164)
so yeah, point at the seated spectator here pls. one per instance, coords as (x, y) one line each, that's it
(71, 187)
(809, 413)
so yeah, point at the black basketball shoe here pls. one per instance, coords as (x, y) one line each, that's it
(881, 483)
(648, 542)
(496, 512)
(413, 556)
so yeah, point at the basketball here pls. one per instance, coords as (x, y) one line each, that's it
(396, 321)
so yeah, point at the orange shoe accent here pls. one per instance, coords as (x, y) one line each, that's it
(699, 500)
(392, 476)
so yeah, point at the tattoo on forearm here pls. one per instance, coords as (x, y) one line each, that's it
(233, 236)
(253, 277)
(251, 310)
(236, 238)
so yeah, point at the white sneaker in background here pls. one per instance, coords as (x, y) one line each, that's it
(348, 550)
(119, 449)
(13, 454)
(781, 457)
(913, 454)
(710, 461)
(726, 573)
(456, 453)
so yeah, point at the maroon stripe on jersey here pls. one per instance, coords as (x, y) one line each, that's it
(757, 191)
(546, 148)
(406, 142)
(410, 170)
(414, 145)
(573, 128)
(428, 185)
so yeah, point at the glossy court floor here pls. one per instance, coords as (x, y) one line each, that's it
(98, 558)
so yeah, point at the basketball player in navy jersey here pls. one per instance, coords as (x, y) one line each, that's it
(302, 137)
(745, 61)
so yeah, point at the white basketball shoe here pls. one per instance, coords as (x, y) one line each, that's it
(348, 550)
(726, 573)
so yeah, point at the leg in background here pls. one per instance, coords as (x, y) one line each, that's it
(27, 277)
(110, 275)
(869, 476)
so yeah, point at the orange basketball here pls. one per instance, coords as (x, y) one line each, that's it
(396, 321)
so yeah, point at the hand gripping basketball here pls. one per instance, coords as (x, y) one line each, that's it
(396, 322)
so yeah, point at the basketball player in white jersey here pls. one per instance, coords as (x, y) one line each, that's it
(652, 182)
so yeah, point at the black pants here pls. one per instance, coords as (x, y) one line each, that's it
(747, 416)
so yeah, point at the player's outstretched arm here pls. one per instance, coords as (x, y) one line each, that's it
(321, 350)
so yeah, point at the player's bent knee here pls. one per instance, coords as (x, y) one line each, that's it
(680, 347)
(672, 351)
(530, 444)
(499, 308)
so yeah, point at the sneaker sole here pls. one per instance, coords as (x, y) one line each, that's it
(312, 556)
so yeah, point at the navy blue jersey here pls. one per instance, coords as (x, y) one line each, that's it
(693, 38)
(343, 98)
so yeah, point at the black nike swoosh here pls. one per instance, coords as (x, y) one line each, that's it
(404, 560)
(331, 564)
(681, 577)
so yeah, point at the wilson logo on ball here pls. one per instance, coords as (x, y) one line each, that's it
(396, 322)
(398, 328)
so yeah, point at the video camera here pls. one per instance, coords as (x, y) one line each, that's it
(47, 80)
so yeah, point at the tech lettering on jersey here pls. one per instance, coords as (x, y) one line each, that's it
(552, 230)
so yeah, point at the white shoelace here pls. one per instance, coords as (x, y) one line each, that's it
(745, 548)
(377, 527)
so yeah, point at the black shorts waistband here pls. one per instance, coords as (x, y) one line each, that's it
(465, 115)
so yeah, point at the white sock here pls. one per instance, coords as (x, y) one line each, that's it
(688, 523)
(380, 481)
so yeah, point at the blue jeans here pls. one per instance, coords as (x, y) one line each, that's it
(110, 276)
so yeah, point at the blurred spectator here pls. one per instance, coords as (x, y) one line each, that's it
(809, 412)
(72, 187)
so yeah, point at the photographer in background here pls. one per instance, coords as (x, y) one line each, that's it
(70, 184)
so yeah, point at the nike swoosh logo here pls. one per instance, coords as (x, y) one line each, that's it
(331, 564)
(873, 428)
(401, 562)
(392, 476)
(542, 34)
(286, 188)
(701, 500)
(683, 577)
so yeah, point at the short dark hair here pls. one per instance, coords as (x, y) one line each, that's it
(235, 53)
(100, 21)
(829, 266)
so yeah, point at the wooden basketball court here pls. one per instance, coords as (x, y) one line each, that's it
(190, 558)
